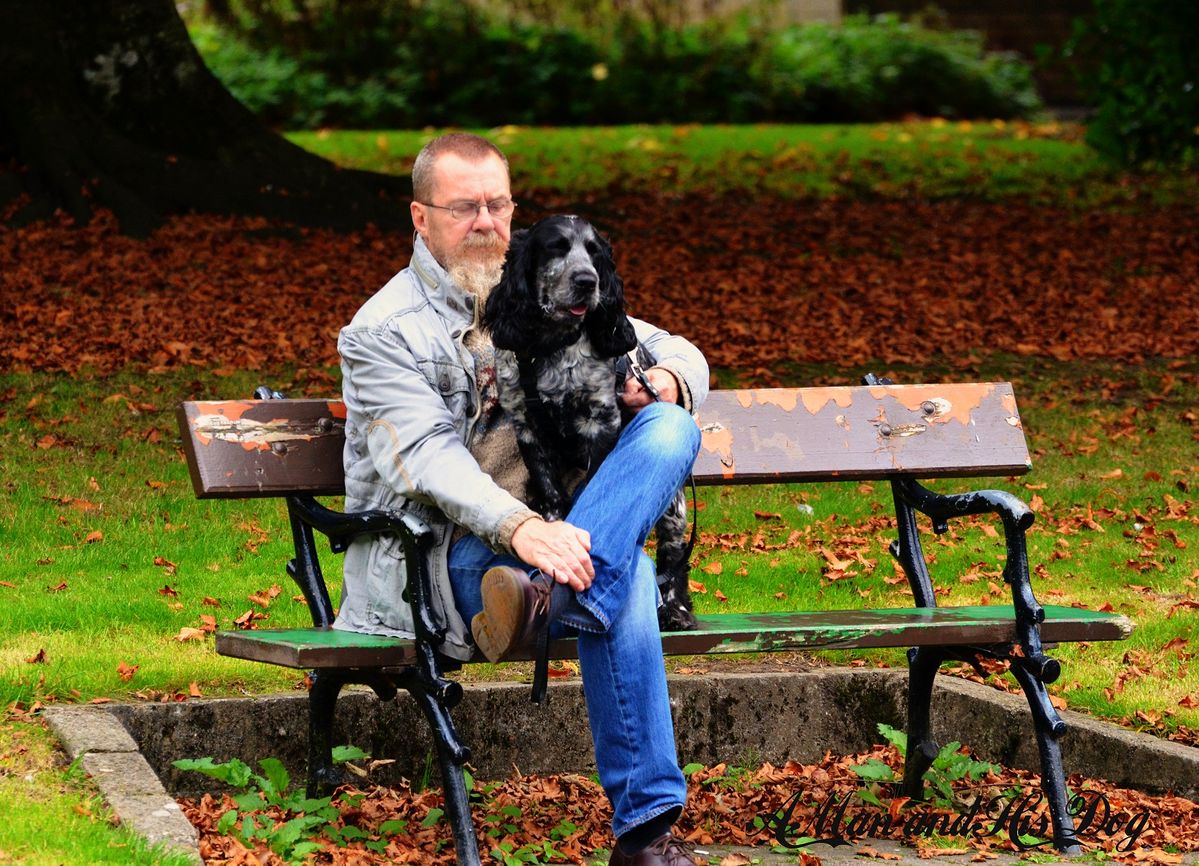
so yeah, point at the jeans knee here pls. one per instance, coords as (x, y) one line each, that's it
(671, 429)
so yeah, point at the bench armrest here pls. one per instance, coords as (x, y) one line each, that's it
(342, 528)
(1016, 517)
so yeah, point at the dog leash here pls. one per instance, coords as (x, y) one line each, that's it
(527, 367)
(626, 364)
(642, 377)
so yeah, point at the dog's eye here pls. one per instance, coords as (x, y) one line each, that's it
(593, 249)
(559, 246)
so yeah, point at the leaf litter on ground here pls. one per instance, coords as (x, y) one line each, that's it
(752, 281)
(725, 806)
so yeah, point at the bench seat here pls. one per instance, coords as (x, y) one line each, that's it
(315, 648)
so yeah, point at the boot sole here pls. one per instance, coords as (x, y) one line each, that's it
(497, 627)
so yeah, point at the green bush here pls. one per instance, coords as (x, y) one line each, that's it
(436, 62)
(269, 82)
(468, 70)
(875, 69)
(694, 74)
(1140, 71)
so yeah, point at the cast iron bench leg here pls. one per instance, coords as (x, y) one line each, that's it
(1049, 728)
(923, 664)
(451, 756)
(323, 777)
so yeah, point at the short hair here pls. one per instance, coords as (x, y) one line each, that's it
(470, 147)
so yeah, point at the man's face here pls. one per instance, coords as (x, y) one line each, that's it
(470, 249)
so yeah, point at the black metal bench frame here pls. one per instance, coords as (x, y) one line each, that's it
(422, 669)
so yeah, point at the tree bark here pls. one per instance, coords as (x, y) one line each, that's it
(106, 103)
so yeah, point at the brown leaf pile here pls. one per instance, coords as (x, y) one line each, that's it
(753, 281)
(723, 803)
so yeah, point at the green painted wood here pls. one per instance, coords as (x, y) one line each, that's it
(316, 648)
(720, 633)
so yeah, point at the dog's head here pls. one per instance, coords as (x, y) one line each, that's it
(559, 282)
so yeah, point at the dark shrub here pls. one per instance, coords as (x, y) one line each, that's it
(1140, 70)
(438, 62)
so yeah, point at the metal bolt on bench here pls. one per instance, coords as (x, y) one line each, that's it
(275, 447)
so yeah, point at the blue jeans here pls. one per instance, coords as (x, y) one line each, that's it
(620, 648)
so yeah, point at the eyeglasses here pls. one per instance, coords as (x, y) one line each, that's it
(499, 208)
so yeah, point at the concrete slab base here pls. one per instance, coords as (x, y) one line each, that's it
(129, 785)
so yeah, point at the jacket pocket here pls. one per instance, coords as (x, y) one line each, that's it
(451, 382)
(384, 602)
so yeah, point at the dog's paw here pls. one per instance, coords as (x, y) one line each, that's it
(676, 617)
(674, 613)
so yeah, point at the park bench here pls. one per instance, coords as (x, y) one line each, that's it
(275, 447)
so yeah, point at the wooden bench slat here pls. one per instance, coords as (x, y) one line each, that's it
(721, 633)
(246, 448)
(315, 648)
(243, 448)
(822, 434)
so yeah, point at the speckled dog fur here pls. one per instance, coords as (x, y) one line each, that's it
(560, 304)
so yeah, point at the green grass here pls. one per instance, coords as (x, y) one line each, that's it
(52, 815)
(1039, 163)
(109, 556)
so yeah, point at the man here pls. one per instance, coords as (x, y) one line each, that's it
(424, 433)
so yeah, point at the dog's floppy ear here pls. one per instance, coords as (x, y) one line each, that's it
(510, 313)
(608, 328)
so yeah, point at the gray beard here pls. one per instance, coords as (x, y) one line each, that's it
(475, 277)
(477, 264)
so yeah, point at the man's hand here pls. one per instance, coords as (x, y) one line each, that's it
(635, 396)
(557, 549)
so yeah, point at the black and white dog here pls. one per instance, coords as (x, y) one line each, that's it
(557, 320)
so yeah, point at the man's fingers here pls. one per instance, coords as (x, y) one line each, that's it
(583, 540)
(557, 549)
(632, 390)
(576, 568)
(575, 579)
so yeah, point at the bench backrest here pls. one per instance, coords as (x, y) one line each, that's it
(243, 448)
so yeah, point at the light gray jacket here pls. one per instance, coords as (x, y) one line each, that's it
(411, 405)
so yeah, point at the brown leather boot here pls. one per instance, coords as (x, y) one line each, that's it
(666, 850)
(515, 610)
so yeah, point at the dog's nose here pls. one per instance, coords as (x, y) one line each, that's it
(583, 280)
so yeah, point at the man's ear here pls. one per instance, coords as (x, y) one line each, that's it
(420, 218)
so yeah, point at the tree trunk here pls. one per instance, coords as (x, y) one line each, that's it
(106, 103)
